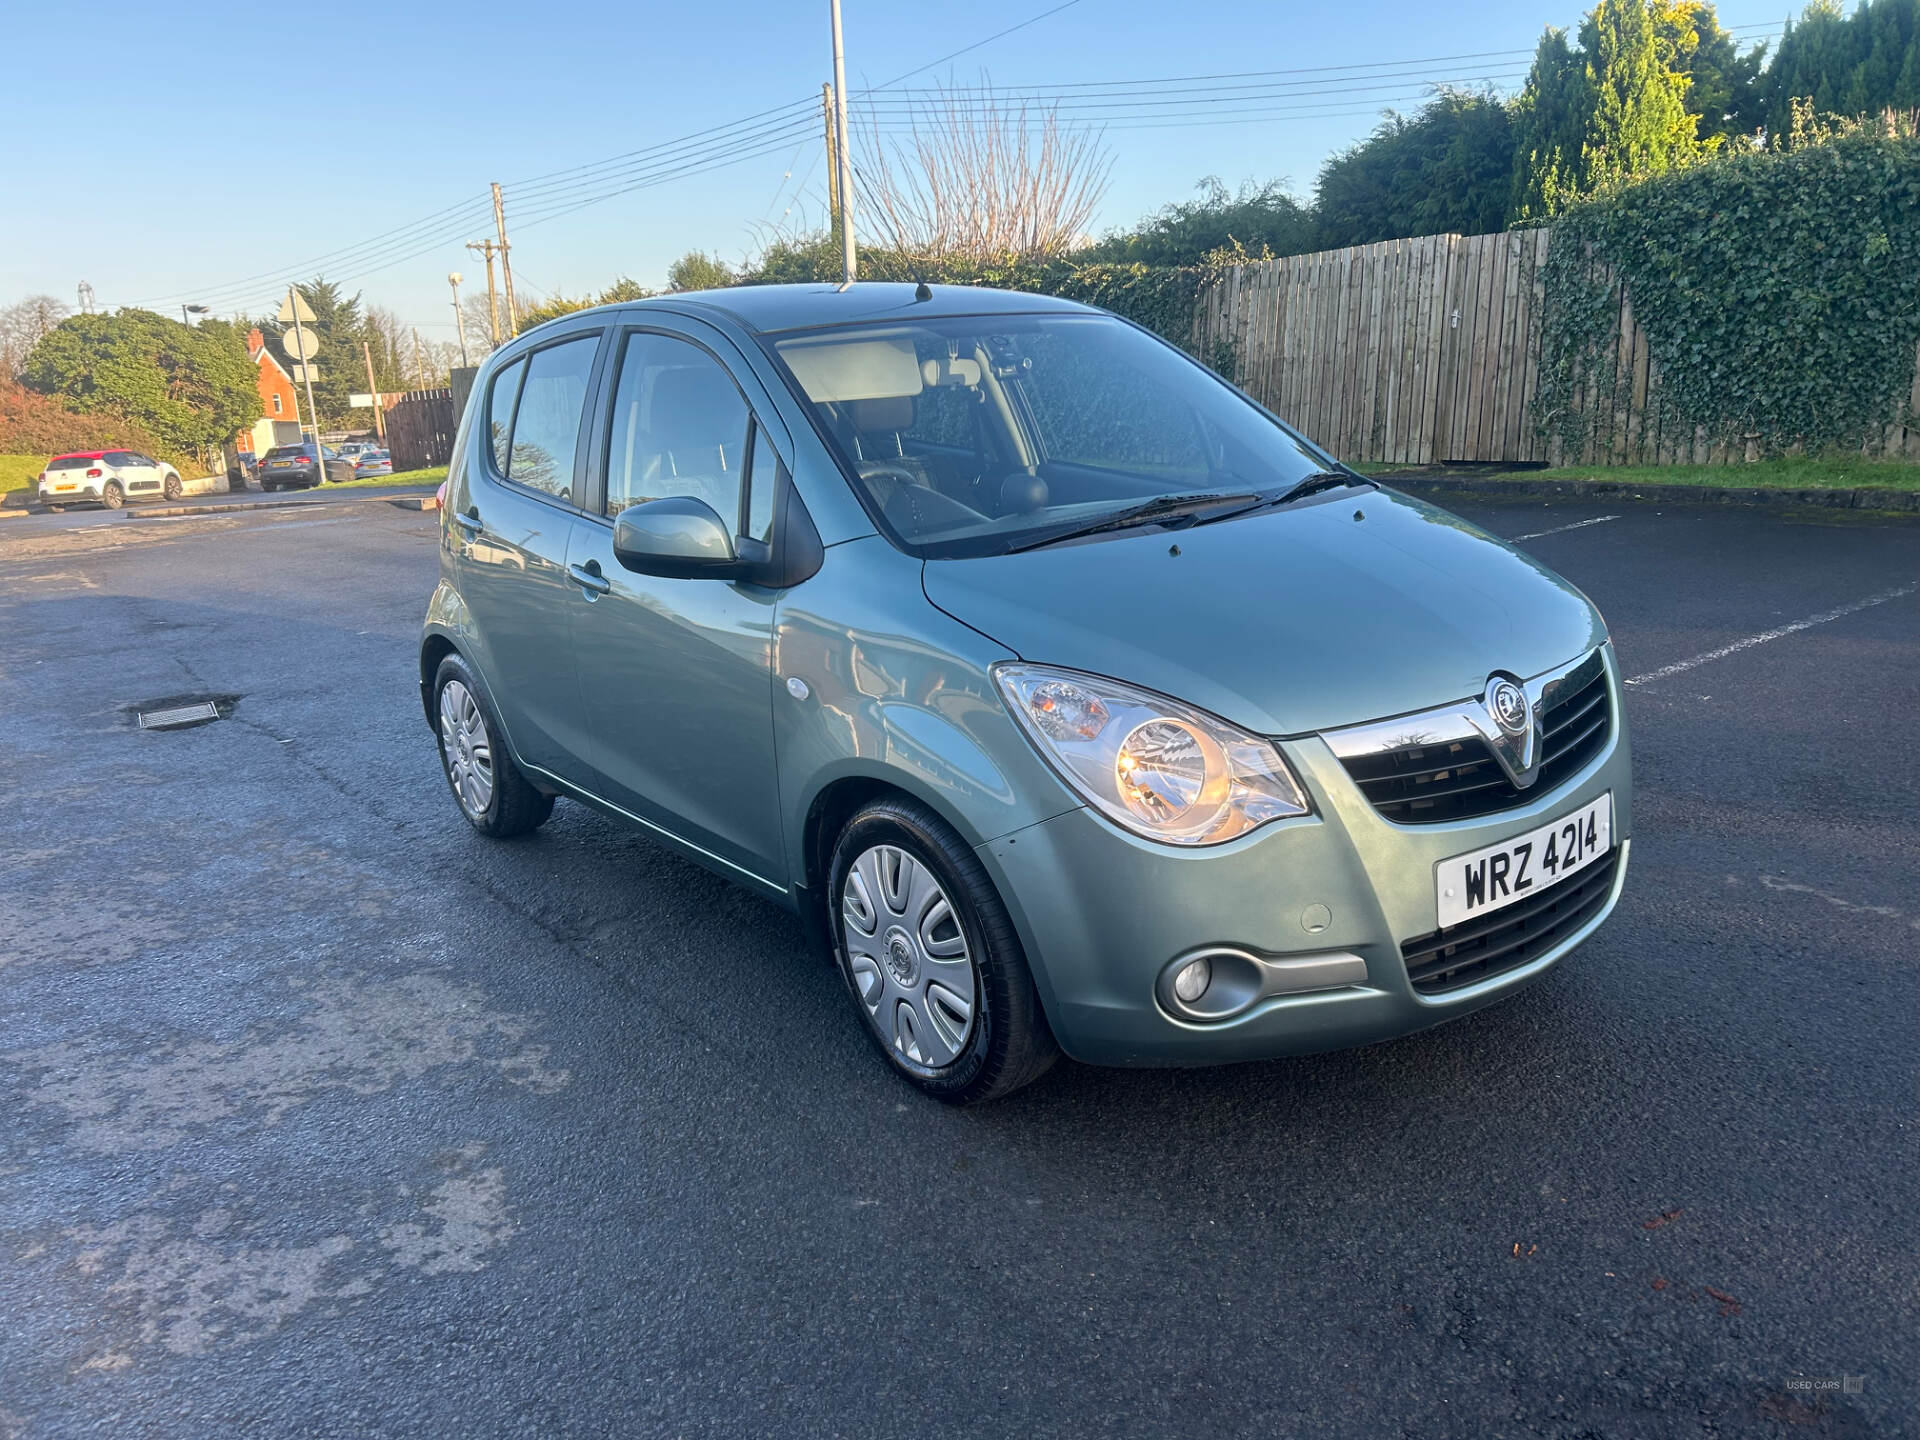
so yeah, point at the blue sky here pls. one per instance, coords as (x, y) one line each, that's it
(165, 153)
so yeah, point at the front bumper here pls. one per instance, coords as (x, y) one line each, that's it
(1101, 914)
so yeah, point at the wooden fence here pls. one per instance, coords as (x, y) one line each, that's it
(1427, 351)
(420, 429)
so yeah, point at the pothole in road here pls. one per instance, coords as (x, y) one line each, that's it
(179, 712)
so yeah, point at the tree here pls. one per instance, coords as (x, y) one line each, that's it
(1549, 123)
(1639, 124)
(22, 326)
(1850, 65)
(697, 270)
(1598, 117)
(1259, 219)
(190, 386)
(1447, 168)
(1721, 82)
(980, 178)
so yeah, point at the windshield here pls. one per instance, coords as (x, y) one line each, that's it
(973, 435)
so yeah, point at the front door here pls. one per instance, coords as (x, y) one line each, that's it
(677, 674)
(513, 521)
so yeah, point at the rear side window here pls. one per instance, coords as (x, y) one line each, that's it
(120, 457)
(546, 421)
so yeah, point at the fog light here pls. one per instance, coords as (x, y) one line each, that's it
(1192, 980)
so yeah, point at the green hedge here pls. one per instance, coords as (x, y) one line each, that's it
(1780, 296)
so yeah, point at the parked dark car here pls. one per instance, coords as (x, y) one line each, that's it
(242, 467)
(295, 465)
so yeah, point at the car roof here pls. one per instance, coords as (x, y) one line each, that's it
(768, 308)
(82, 455)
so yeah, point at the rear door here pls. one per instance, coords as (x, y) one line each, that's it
(677, 674)
(513, 520)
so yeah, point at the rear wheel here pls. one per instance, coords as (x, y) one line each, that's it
(269, 486)
(489, 788)
(172, 487)
(112, 496)
(931, 958)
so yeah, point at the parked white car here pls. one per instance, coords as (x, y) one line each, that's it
(106, 477)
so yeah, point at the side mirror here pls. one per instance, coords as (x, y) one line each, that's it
(679, 537)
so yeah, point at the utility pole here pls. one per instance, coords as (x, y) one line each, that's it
(488, 249)
(506, 260)
(419, 365)
(306, 370)
(845, 167)
(379, 415)
(454, 278)
(833, 163)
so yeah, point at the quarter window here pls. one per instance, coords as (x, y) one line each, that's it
(501, 393)
(679, 428)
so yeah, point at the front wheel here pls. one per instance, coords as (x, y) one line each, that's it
(931, 958)
(172, 487)
(489, 788)
(112, 496)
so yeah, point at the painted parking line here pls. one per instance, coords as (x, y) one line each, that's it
(1562, 529)
(1825, 616)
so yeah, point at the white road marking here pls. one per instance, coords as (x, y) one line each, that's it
(1775, 882)
(1562, 529)
(1838, 612)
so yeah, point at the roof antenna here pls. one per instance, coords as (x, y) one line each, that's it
(921, 290)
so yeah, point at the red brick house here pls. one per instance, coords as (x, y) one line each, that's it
(279, 422)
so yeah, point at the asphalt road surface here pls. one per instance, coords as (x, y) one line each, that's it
(321, 1116)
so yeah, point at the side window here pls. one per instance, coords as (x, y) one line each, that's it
(765, 470)
(546, 422)
(119, 457)
(501, 393)
(679, 427)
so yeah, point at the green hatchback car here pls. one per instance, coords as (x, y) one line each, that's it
(1076, 701)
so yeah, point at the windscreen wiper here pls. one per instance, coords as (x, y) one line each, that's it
(1320, 480)
(1152, 512)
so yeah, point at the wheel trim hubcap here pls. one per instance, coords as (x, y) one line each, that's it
(908, 955)
(467, 747)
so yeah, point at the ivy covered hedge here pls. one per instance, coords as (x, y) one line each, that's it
(1160, 297)
(1779, 293)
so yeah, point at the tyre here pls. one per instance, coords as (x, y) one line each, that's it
(931, 958)
(171, 487)
(488, 787)
(268, 487)
(112, 496)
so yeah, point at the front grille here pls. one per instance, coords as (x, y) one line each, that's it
(1459, 779)
(1469, 952)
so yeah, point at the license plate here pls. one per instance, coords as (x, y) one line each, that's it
(1486, 880)
(65, 487)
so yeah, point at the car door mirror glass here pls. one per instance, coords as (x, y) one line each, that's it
(678, 536)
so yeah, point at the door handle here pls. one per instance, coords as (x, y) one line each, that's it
(589, 578)
(468, 523)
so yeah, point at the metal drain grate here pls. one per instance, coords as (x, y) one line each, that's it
(179, 715)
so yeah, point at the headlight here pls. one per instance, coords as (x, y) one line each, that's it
(1152, 765)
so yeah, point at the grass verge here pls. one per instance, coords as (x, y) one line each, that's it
(430, 476)
(1790, 474)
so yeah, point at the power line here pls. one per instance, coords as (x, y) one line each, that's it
(967, 49)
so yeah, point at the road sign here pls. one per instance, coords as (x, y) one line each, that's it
(295, 307)
(302, 374)
(360, 402)
(300, 344)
